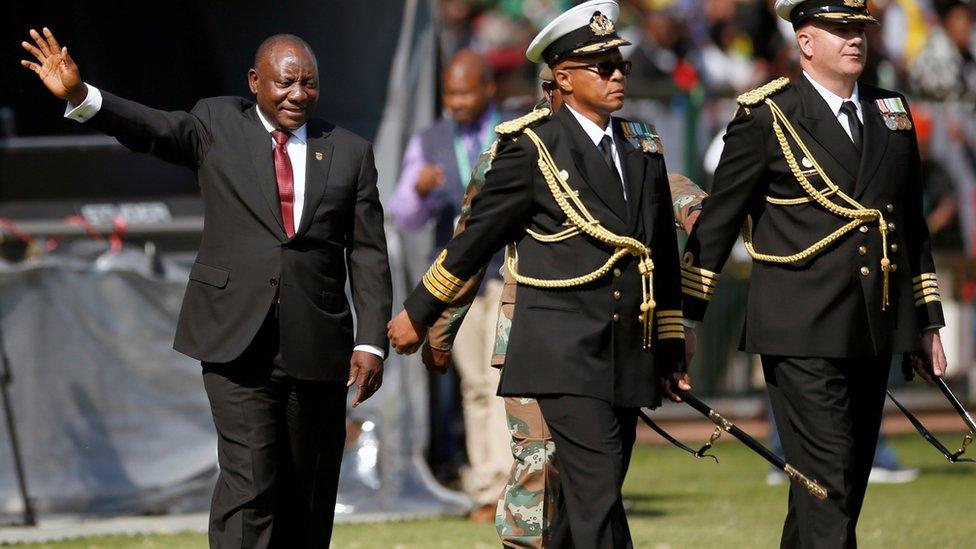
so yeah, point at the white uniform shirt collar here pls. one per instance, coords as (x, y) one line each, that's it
(835, 101)
(595, 132)
(301, 134)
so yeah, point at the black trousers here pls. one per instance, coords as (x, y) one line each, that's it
(594, 441)
(828, 413)
(279, 446)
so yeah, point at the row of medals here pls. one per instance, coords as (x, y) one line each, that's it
(897, 121)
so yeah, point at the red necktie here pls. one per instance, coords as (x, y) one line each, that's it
(286, 181)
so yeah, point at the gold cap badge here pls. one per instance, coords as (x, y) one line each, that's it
(601, 25)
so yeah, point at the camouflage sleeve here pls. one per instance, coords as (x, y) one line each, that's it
(685, 195)
(441, 335)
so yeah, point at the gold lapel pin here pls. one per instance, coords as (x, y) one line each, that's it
(318, 156)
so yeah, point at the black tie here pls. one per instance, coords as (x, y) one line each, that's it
(606, 147)
(854, 123)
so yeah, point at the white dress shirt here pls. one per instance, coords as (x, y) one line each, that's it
(835, 101)
(596, 134)
(297, 147)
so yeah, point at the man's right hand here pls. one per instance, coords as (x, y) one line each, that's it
(431, 176)
(404, 334)
(436, 360)
(55, 67)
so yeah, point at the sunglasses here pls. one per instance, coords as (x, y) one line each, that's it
(606, 68)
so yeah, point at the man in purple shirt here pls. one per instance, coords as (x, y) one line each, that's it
(436, 168)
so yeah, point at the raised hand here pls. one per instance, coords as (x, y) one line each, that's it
(55, 67)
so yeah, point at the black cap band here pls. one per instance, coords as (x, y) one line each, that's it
(851, 11)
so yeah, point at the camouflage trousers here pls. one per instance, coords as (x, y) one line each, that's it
(528, 504)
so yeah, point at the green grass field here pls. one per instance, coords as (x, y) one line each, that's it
(676, 502)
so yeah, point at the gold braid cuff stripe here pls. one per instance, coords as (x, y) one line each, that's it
(926, 291)
(699, 276)
(925, 284)
(672, 326)
(707, 290)
(923, 276)
(670, 319)
(440, 282)
(669, 313)
(694, 280)
(672, 335)
(928, 299)
(692, 293)
(687, 266)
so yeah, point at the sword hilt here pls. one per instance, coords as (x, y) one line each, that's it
(811, 486)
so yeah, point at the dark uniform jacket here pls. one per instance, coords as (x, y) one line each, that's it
(584, 340)
(829, 305)
(246, 263)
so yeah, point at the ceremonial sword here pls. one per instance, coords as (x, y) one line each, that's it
(815, 489)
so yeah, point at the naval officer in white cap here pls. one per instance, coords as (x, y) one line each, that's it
(827, 170)
(583, 199)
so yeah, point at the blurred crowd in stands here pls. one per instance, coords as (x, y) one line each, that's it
(693, 57)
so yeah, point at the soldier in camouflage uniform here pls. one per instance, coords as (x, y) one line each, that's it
(527, 506)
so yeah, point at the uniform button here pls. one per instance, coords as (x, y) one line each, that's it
(616, 272)
(894, 267)
(273, 281)
(894, 247)
(890, 208)
(863, 229)
(616, 295)
(616, 317)
(891, 226)
(862, 250)
(865, 271)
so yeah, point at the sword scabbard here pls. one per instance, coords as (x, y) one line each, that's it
(811, 486)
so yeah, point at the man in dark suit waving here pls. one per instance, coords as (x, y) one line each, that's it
(288, 201)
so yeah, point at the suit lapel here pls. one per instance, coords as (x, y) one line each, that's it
(589, 162)
(632, 161)
(823, 126)
(875, 142)
(262, 155)
(318, 161)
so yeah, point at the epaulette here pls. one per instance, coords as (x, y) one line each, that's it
(517, 125)
(756, 97)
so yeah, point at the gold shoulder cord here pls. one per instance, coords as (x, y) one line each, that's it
(857, 213)
(581, 221)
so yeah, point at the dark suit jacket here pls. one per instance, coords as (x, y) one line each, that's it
(245, 259)
(824, 306)
(566, 341)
